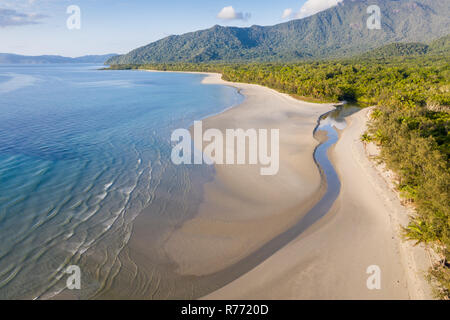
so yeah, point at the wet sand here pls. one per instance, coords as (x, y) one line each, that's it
(329, 260)
(222, 251)
(241, 210)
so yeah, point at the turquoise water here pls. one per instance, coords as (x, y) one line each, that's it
(82, 153)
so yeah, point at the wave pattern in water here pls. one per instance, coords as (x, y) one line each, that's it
(79, 160)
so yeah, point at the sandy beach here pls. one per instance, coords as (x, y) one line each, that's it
(330, 260)
(242, 210)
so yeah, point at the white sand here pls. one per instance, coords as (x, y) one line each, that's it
(242, 209)
(329, 261)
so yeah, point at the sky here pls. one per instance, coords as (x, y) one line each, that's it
(36, 27)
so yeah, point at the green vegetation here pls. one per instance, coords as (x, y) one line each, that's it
(398, 49)
(416, 145)
(440, 46)
(419, 80)
(437, 47)
(411, 90)
(337, 32)
(8, 58)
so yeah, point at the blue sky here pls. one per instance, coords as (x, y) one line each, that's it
(34, 27)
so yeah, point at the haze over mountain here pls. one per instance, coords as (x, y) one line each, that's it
(9, 58)
(336, 32)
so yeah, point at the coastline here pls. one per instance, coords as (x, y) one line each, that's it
(242, 210)
(417, 259)
(329, 261)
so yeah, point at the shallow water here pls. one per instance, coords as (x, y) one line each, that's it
(82, 153)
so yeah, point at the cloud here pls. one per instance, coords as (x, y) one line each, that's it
(21, 5)
(10, 17)
(313, 6)
(287, 13)
(228, 13)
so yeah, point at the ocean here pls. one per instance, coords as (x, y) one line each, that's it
(82, 153)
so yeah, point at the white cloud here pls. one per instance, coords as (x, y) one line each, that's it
(18, 4)
(228, 13)
(9, 17)
(287, 13)
(313, 6)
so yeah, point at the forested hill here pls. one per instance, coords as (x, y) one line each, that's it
(437, 47)
(336, 32)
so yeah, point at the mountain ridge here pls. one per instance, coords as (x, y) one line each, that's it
(440, 46)
(336, 32)
(11, 58)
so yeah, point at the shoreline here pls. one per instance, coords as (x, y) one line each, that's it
(415, 258)
(331, 251)
(329, 261)
(217, 219)
(242, 210)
